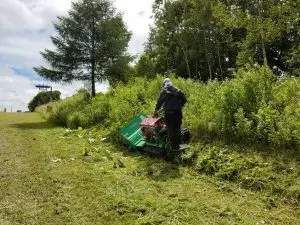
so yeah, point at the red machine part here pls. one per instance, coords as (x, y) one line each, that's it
(151, 122)
(149, 125)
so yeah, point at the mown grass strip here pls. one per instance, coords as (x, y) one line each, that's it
(46, 180)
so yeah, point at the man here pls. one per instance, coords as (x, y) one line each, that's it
(172, 99)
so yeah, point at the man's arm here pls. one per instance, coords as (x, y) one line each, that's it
(160, 101)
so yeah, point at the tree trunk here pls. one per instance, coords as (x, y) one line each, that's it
(220, 64)
(207, 57)
(186, 61)
(200, 78)
(93, 57)
(196, 74)
(93, 79)
(262, 36)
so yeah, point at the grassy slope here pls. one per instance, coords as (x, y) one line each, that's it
(45, 180)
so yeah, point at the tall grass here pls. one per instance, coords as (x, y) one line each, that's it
(255, 106)
(65, 111)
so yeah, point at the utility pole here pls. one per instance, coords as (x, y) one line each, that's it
(45, 87)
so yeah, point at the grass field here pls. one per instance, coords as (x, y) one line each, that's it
(45, 179)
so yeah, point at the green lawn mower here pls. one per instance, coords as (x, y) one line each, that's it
(148, 134)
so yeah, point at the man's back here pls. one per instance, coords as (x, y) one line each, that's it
(171, 98)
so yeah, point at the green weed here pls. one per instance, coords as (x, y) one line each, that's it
(252, 107)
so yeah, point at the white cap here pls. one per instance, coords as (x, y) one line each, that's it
(167, 83)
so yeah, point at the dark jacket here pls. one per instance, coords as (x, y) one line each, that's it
(171, 98)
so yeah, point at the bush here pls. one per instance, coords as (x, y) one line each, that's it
(78, 119)
(43, 98)
(64, 109)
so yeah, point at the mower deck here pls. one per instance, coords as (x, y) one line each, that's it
(148, 134)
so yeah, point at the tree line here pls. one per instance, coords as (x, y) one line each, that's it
(198, 39)
(208, 39)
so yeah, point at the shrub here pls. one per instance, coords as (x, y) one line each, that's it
(64, 109)
(43, 98)
(78, 119)
(243, 125)
(266, 124)
(285, 100)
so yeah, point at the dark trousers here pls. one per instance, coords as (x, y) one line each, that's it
(173, 122)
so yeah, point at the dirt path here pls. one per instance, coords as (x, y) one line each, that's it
(44, 179)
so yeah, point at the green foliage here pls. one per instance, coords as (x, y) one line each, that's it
(188, 40)
(120, 71)
(43, 98)
(248, 92)
(145, 67)
(222, 163)
(46, 180)
(64, 109)
(206, 39)
(90, 44)
(76, 120)
(249, 170)
(252, 107)
(243, 125)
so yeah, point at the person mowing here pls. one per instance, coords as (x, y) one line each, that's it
(172, 99)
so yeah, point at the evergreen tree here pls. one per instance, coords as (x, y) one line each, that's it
(91, 42)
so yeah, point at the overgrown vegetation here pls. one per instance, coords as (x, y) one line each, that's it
(65, 109)
(255, 108)
(43, 98)
(252, 167)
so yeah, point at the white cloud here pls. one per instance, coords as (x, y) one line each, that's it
(15, 15)
(25, 30)
(137, 15)
(18, 15)
(14, 90)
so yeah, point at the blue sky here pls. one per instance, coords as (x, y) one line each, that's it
(25, 30)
